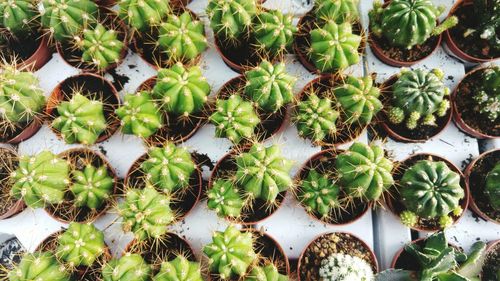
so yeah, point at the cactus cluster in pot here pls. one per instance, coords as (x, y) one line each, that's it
(231, 20)
(487, 98)
(18, 17)
(338, 11)
(273, 32)
(39, 266)
(319, 193)
(80, 245)
(141, 15)
(127, 268)
(92, 186)
(140, 115)
(179, 269)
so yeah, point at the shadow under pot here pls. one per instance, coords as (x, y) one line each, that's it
(9, 206)
(475, 174)
(349, 210)
(326, 245)
(31, 52)
(491, 264)
(400, 132)
(394, 199)
(92, 87)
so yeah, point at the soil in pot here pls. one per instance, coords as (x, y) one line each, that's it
(8, 164)
(17, 50)
(491, 266)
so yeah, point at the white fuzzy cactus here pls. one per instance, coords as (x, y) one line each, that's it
(341, 267)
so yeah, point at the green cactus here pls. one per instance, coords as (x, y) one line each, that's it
(319, 193)
(92, 186)
(67, 18)
(266, 273)
(492, 189)
(270, 86)
(316, 118)
(168, 168)
(488, 97)
(80, 244)
(359, 99)
(338, 11)
(80, 119)
(225, 199)
(140, 115)
(179, 269)
(418, 98)
(230, 19)
(273, 32)
(334, 46)
(263, 172)
(231, 252)
(182, 37)
(146, 213)
(181, 90)
(130, 267)
(18, 16)
(39, 266)
(101, 47)
(234, 118)
(40, 179)
(344, 267)
(141, 15)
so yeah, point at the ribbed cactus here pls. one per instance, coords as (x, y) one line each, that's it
(319, 193)
(80, 119)
(21, 98)
(488, 98)
(182, 37)
(179, 269)
(40, 179)
(488, 15)
(492, 189)
(338, 11)
(418, 98)
(225, 199)
(359, 99)
(230, 19)
(140, 115)
(146, 213)
(18, 16)
(344, 267)
(39, 266)
(100, 46)
(181, 90)
(92, 186)
(334, 46)
(263, 172)
(316, 118)
(231, 252)
(143, 14)
(130, 267)
(80, 244)
(273, 31)
(234, 118)
(364, 171)
(266, 273)
(67, 18)
(270, 86)
(168, 168)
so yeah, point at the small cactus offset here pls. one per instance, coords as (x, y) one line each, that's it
(344, 267)
(130, 267)
(18, 16)
(234, 119)
(230, 20)
(140, 115)
(80, 120)
(80, 244)
(488, 98)
(338, 11)
(492, 189)
(92, 186)
(179, 269)
(319, 193)
(40, 179)
(41, 266)
(270, 86)
(273, 32)
(182, 37)
(263, 172)
(488, 15)
(101, 47)
(231, 253)
(181, 90)
(316, 118)
(419, 98)
(168, 168)
(141, 15)
(225, 199)
(266, 273)
(334, 47)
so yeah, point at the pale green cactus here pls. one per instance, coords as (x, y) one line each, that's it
(488, 97)
(319, 193)
(225, 199)
(80, 244)
(316, 118)
(273, 32)
(18, 16)
(266, 273)
(338, 11)
(141, 15)
(231, 19)
(344, 267)
(92, 186)
(140, 115)
(130, 267)
(101, 47)
(39, 266)
(179, 269)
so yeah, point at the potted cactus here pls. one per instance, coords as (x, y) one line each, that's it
(142, 17)
(9, 206)
(272, 33)
(417, 105)
(179, 268)
(337, 256)
(140, 115)
(127, 267)
(39, 266)
(398, 41)
(476, 102)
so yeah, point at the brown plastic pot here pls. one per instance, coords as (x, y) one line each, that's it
(16, 205)
(39, 58)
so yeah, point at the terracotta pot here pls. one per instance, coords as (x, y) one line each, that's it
(40, 57)
(27, 132)
(16, 205)
(492, 245)
(394, 205)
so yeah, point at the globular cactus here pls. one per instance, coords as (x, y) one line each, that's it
(179, 269)
(180, 90)
(18, 16)
(334, 46)
(344, 267)
(80, 244)
(182, 37)
(270, 86)
(80, 119)
(225, 199)
(168, 168)
(41, 266)
(101, 47)
(130, 267)
(231, 253)
(319, 193)
(488, 98)
(488, 15)
(364, 172)
(40, 179)
(266, 273)
(316, 118)
(92, 186)
(231, 19)
(492, 189)
(359, 99)
(338, 11)
(263, 172)
(67, 18)
(21, 98)
(146, 213)
(273, 32)
(140, 115)
(418, 98)
(141, 15)
(234, 118)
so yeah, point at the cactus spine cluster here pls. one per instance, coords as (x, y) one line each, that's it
(338, 11)
(266, 273)
(316, 118)
(179, 269)
(41, 266)
(100, 46)
(273, 32)
(130, 267)
(492, 189)
(488, 97)
(92, 186)
(143, 14)
(18, 16)
(225, 199)
(230, 19)
(80, 244)
(344, 267)
(319, 193)
(140, 115)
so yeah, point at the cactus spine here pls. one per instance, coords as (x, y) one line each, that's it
(80, 244)
(316, 118)
(140, 115)
(488, 97)
(130, 267)
(92, 186)
(143, 14)
(17, 16)
(39, 266)
(179, 269)
(319, 193)
(101, 47)
(225, 199)
(492, 189)
(266, 273)
(343, 267)
(273, 32)
(230, 19)
(338, 11)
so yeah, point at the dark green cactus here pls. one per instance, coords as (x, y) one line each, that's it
(488, 97)
(492, 189)
(266, 273)
(319, 193)
(225, 199)
(231, 19)
(338, 11)
(92, 186)
(39, 266)
(140, 115)
(80, 244)
(101, 47)
(316, 118)
(179, 269)
(130, 267)
(273, 32)
(18, 16)
(141, 15)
